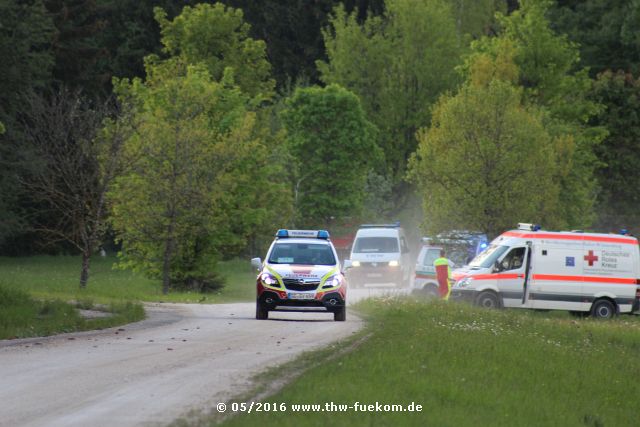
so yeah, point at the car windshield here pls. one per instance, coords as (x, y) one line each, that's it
(487, 258)
(376, 245)
(302, 254)
(430, 256)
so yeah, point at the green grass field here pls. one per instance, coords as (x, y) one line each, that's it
(22, 316)
(35, 291)
(472, 367)
(49, 277)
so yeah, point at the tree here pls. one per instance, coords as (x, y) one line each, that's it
(198, 189)
(25, 47)
(218, 37)
(76, 46)
(607, 32)
(619, 173)
(79, 161)
(548, 70)
(292, 32)
(486, 162)
(333, 145)
(398, 64)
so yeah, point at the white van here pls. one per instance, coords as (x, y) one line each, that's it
(529, 268)
(379, 256)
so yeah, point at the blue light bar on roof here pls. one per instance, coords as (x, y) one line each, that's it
(309, 234)
(531, 227)
(323, 234)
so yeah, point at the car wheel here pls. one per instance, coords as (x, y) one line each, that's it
(261, 311)
(603, 309)
(340, 315)
(488, 299)
(429, 292)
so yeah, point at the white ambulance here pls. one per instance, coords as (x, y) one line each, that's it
(530, 268)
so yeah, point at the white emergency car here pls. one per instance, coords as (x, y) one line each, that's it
(530, 268)
(379, 256)
(300, 273)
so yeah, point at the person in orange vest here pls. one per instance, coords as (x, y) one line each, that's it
(443, 275)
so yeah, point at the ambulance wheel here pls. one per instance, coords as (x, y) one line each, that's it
(340, 315)
(488, 299)
(603, 309)
(261, 311)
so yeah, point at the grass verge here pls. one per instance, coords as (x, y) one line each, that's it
(21, 316)
(35, 291)
(57, 277)
(470, 367)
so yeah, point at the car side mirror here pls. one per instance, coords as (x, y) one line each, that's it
(347, 264)
(256, 263)
(497, 266)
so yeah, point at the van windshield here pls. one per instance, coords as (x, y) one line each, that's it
(376, 245)
(487, 258)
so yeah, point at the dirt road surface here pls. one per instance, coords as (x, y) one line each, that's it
(182, 357)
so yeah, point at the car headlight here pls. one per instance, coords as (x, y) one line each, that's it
(394, 263)
(269, 280)
(332, 281)
(464, 282)
(355, 263)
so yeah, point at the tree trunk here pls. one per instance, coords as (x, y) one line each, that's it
(84, 272)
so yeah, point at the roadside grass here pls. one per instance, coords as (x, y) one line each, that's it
(22, 316)
(57, 277)
(40, 295)
(471, 367)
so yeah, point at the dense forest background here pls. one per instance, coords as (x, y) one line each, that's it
(184, 132)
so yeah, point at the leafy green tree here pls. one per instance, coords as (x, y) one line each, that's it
(164, 207)
(205, 179)
(333, 145)
(397, 65)
(26, 31)
(619, 174)
(292, 31)
(607, 32)
(475, 18)
(482, 163)
(547, 68)
(218, 37)
(76, 46)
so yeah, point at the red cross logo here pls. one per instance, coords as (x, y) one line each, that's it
(591, 258)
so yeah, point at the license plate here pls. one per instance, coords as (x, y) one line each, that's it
(301, 295)
(374, 275)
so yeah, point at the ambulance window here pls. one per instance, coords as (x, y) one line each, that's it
(513, 260)
(487, 258)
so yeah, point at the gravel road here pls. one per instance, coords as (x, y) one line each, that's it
(182, 357)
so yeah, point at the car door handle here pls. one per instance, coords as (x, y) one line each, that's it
(520, 276)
